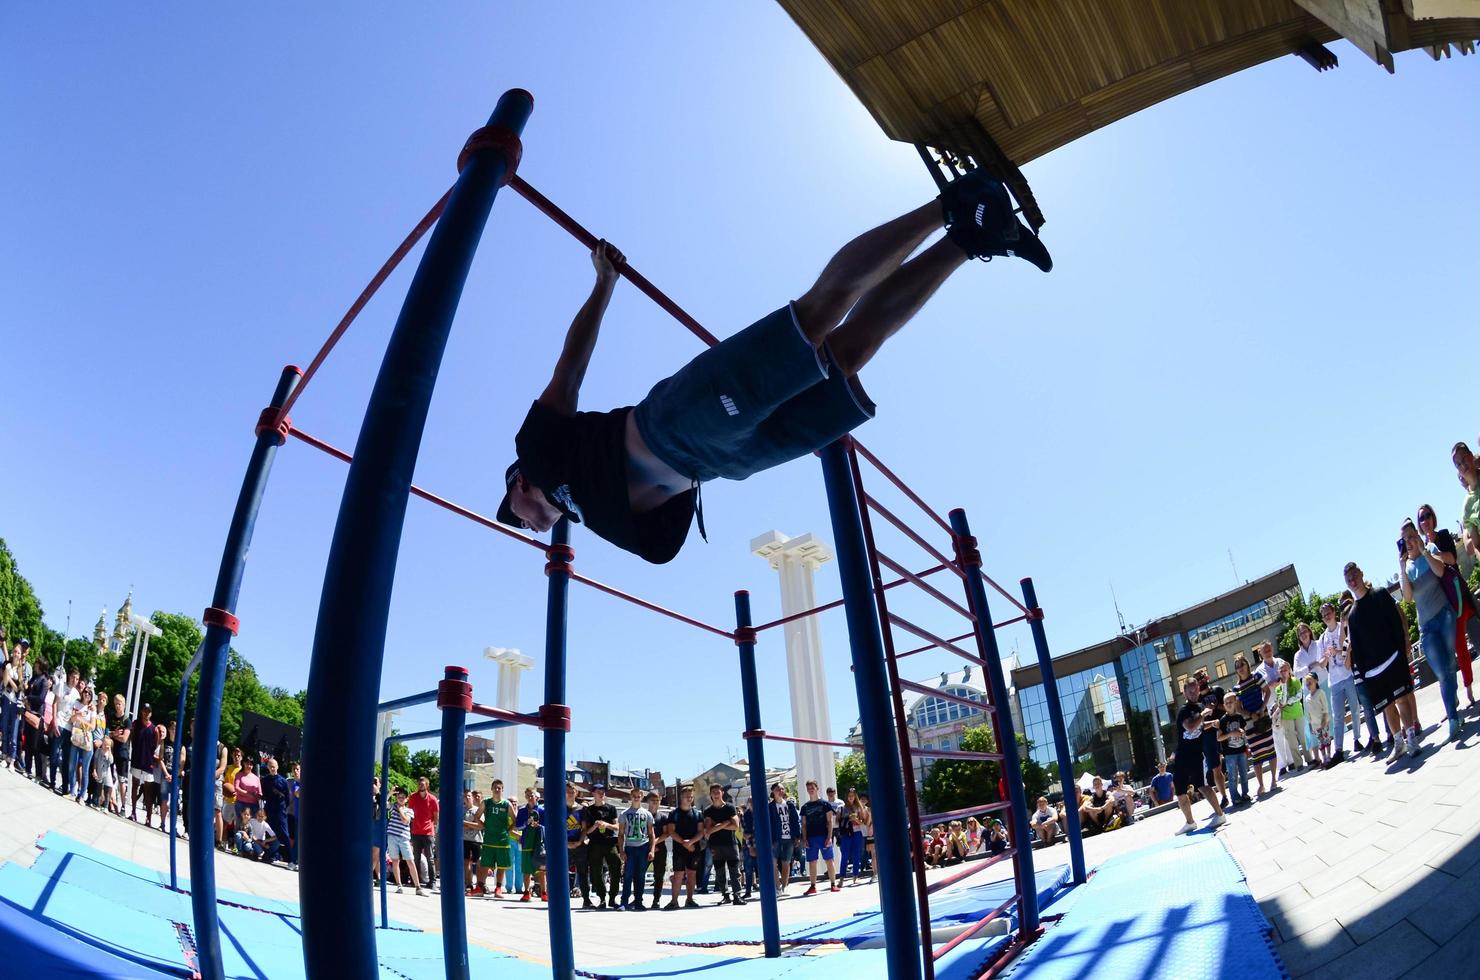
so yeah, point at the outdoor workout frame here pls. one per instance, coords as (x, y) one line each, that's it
(349, 641)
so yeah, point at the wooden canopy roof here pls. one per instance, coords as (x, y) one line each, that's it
(997, 83)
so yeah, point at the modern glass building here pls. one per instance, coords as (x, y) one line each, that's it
(1119, 697)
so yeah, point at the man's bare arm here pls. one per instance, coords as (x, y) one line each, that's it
(563, 392)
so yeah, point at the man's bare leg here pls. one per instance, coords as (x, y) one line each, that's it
(860, 265)
(891, 304)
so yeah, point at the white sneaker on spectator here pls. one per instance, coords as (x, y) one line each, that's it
(420, 892)
(399, 890)
(1218, 820)
(1413, 747)
(1400, 745)
(1186, 828)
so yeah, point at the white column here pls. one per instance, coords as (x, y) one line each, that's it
(385, 723)
(796, 560)
(511, 665)
(143, 630)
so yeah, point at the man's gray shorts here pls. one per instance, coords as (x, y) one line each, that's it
(759, 399)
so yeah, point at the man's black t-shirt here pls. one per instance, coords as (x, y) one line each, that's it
(1376, 630)
(716, 815)
(580, 461)
(814, 817)
(594, 812)
(1100, 798)
(686, 822)
(1189, 743)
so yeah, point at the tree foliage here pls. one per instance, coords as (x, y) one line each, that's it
(956, 784)
(851, 773)
(1301, 609)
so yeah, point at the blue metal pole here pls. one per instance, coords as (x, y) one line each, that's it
(1012, 772)
(557, 856)
(349, 637)
(383, 828)
(454, 697)
(220, 628)
(1060, 735)
(871, 679)
(760, 797)
(175, 782)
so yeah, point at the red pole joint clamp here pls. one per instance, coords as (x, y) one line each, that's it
(966, 552)
(454, 694)
(560, 556)
(494, 138)
(754, 733)
(745, 634)
(220, 617)
(269, 420)
(1035, 613)
(554, 717)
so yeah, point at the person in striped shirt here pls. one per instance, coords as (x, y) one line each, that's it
(398, 841)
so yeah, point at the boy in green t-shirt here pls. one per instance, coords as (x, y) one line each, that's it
(498, 820)
(532, 855)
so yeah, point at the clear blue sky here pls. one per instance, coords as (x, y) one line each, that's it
(1252, 339)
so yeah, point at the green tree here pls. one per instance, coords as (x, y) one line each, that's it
(851, 773)
(20, 610)
(954, 784)
(1301, 609)
(425, 762)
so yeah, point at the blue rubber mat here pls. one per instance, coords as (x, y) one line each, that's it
(55, 845)
(32, 950)
(703, 967)
(423, 968)
(1177, 910)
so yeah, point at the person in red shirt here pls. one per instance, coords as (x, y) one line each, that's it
(424, 810)
(248, 791)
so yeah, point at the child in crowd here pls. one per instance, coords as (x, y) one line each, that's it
(974, 837)
(1045, 821)
(532, 856)
(1318, 716)
(256, 840)
(106, 776)
(996, 836)
(1233, 737)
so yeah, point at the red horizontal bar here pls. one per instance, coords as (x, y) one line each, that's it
(924, 586)
(932, 646)
(925, 634)
(838, 602)
(930, 819)
(889, 475)
(977, 927)
(936, 692)
(503, 714)
(651, 606)
(976, 868)
(544, 204)
(946, 754)
(1009, 622)
(910, 533)
(359, 304)
(807, 741)
(1005, 594)
(426, 495)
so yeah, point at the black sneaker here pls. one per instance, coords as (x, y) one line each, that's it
(671, 906)
(725, 899)
(739, 901)
(587, 904)
(978, 216)
(690, 904)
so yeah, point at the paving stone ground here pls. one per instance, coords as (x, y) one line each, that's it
(1366, 870)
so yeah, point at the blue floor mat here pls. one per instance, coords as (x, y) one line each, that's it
(704, 967)
(55, 845)
(32, 950)
(1177, 910)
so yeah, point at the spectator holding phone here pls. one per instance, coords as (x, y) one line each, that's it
(1456, 590)
(1422, 573)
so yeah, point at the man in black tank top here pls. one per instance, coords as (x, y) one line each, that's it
(781, 388)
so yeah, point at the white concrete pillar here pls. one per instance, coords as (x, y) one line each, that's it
(143, 630)
(511, 665)
(796, 560)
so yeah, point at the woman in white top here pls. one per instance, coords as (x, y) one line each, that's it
(83, 717)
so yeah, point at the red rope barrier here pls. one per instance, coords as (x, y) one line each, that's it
(406, 246)
(901, 485)
(580, 234)
(924, 586)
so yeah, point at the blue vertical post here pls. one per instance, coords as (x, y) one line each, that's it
(454, 697)
(555, 722)
(383, 828)
(1012, 772)
(760, 797)
(175, 776)
(349, 637)
(881, 752)
(1060, 736)
(220, 628)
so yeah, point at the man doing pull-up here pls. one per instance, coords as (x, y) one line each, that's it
(781, 388)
